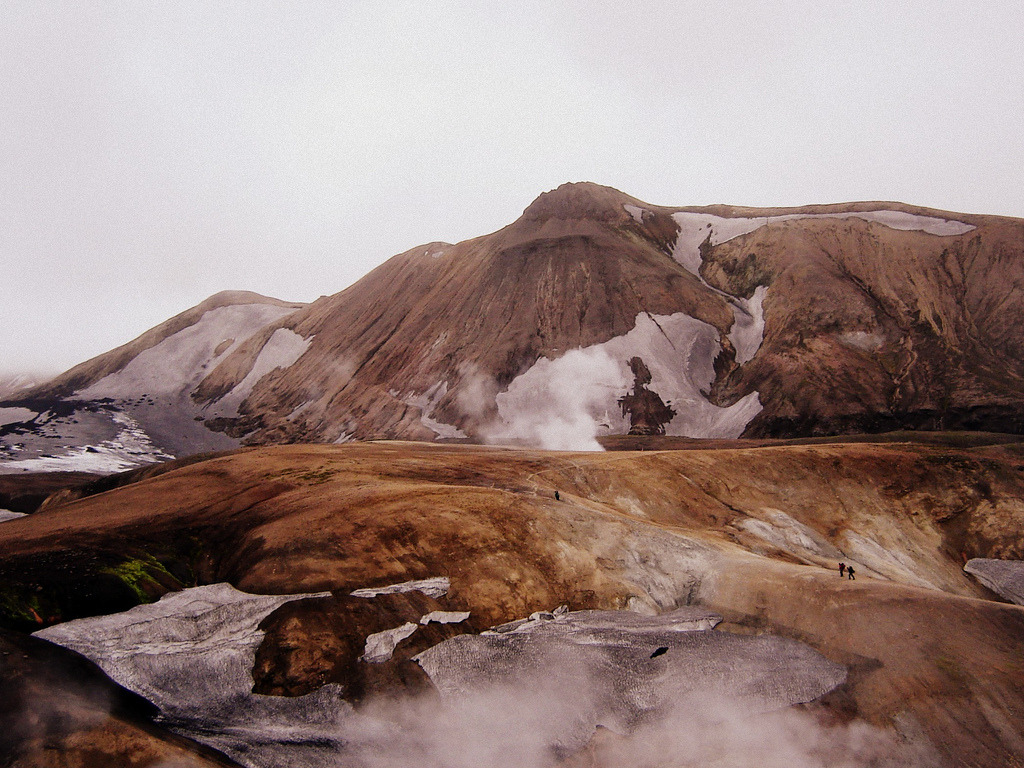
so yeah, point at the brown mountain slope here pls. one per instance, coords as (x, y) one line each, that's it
(754, 533)
(575, 270)
(875, 316)
(870, 328)
(827, 319)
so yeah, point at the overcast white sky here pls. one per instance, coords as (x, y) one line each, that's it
(154, 153)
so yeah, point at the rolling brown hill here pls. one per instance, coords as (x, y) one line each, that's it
(753, 533)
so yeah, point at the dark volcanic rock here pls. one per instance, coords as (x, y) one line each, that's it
(648, 414)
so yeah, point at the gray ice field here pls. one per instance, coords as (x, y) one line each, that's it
(558, 676)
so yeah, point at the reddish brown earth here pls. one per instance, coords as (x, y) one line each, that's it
(946, 313)
(26, 492)
(931, 653)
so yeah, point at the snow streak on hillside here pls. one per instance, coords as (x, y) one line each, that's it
(695, 228)
(282, 350)
(179, 362)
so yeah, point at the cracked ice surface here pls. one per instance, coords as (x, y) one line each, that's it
(581, 624)
(436, 586)
(444, 617)
(596, 668)
(380, 646)
(191, 653)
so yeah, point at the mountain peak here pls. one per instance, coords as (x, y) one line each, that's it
(578, 200)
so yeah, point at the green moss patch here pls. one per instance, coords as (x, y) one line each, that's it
(145, 576)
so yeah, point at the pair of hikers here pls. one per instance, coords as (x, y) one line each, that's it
(846, 570)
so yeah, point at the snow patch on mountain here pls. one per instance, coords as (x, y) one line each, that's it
(183, 359)
(905, 221)
(426, 403)
(747, 330)
(566, 403)
(142, 412)
(6, 514)
(282, 350)
(636, 212)
(696, 228)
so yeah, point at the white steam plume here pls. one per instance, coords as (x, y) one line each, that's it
(558, 404)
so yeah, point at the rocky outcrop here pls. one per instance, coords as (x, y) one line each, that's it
(646, 411)
(325, 641)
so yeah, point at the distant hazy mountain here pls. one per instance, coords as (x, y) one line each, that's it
(13, 384)
(755, 322)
